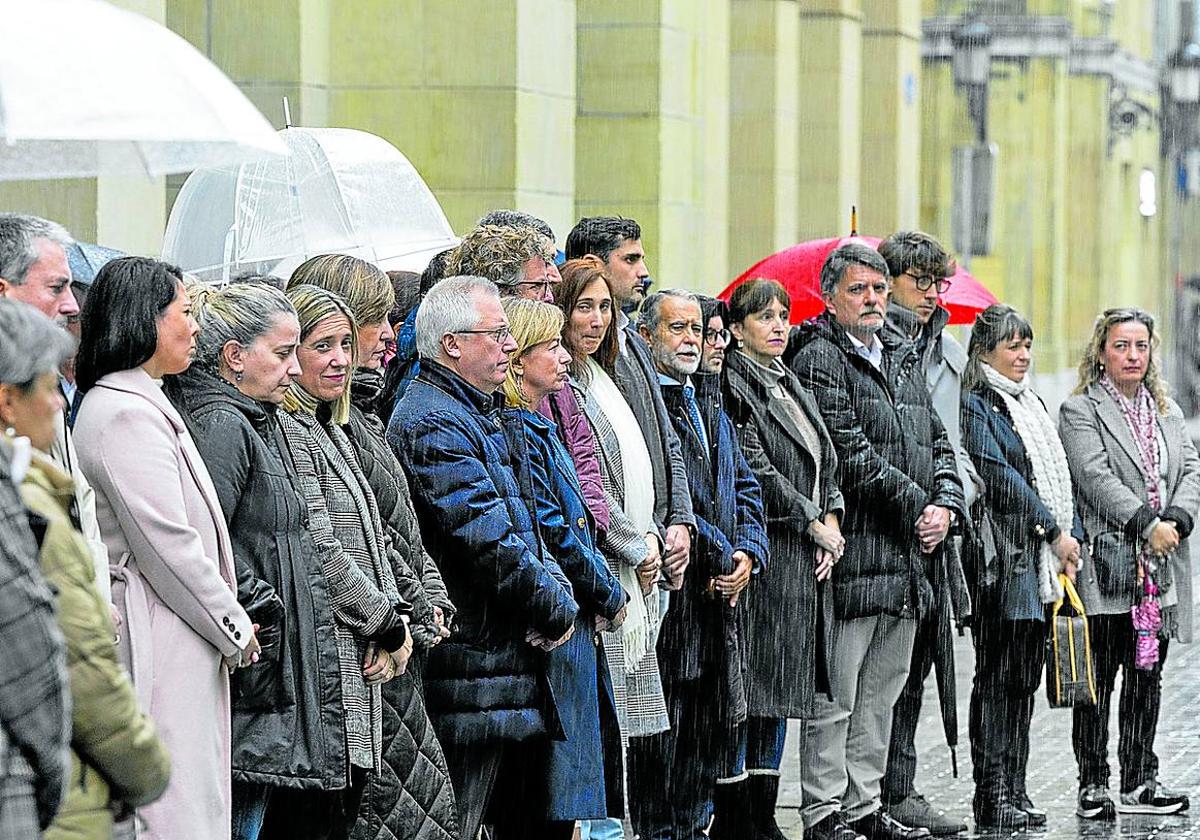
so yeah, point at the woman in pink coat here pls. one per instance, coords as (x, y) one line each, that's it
(160, 518)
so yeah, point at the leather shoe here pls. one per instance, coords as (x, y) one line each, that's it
(832, 827)
(1002, 816)
(1035, 815)
(880, 825)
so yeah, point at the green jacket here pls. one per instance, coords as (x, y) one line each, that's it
(116, 757)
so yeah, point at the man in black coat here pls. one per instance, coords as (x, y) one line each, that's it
(672, 774)
(900, 479)
(615, 244)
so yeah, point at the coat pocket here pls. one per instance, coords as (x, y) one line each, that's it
(1114, 556)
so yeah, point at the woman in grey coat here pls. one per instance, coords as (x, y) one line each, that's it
(1137, 480)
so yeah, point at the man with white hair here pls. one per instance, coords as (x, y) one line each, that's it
(34, 270)
(485, 684)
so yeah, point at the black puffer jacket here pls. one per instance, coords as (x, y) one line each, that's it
(411, 796)
(288, 728)
(893, 459)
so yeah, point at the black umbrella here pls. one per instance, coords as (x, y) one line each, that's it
(87, 259)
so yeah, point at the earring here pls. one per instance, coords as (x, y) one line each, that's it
(237, 376)
(521, 388)
(10, 432)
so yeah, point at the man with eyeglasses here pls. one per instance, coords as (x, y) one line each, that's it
(672, 775)
(897, 471)
(519, 260)
(920, 269)
(485, 685)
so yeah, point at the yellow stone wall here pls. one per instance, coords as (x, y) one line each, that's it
(728, 128)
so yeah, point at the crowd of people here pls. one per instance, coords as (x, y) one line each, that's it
(521, 547)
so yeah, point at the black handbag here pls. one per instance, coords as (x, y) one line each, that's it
(1070, 663)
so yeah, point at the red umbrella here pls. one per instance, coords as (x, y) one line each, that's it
(798, 268)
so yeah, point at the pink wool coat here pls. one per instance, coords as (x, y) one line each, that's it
(174, 583)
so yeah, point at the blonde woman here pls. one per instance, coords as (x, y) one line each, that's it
(1137, 487)
(577, 671)
(370, 630)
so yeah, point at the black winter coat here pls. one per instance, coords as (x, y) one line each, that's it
(288, 727)
(699, 631)
(894, 458)
(787, 611)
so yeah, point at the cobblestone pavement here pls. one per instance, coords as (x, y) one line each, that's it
(1052, 772)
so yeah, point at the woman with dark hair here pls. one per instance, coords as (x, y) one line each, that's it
(630, 544)
(787, 610)
(161, 518)
(117, 760)
(288, 732)
(371, 630)
(1027, 499)
(412, 761)
(1137, 486)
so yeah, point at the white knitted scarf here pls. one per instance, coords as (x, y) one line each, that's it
(639, 633)
(1049, 462)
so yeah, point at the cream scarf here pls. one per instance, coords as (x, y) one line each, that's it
(1049, 462)
(644, 617)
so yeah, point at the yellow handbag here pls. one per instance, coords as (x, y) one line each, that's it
(1070, 664)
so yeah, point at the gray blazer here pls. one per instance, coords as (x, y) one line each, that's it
(1110, 496)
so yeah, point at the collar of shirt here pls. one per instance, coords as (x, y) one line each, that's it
(622, 323)
(665, 379)
(873, 353)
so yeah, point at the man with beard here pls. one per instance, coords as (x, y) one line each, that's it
(673, 774)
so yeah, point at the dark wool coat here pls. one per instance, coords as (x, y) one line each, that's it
(894, 458)
(288, 727)
(485, 682)
(787, 611)
(701, 632)
(585, 783)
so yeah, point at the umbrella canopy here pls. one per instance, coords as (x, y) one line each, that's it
(338, 191)
(798, 268)
(87, 259)
(88, 89)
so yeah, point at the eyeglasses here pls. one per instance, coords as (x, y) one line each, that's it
(680, 327)
(543, 285)
(924, 281)
(714, 337)
(497, 335)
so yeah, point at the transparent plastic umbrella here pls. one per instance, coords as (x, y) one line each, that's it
(88, 89)
(338, 191)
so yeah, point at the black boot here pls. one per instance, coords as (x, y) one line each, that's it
(764, 793)
(731, 812)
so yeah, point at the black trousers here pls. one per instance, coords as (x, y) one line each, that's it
(672, 774)
(1010, 657)
(901, 769)
(324, 814)
(1137, 712)
(502, 784)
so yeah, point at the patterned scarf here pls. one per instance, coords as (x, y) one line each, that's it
(1142, 416)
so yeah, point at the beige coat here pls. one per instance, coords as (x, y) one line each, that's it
(174, 584)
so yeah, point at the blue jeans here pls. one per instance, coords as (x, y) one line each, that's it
(758, 746)
(606, 829)
(249, 808)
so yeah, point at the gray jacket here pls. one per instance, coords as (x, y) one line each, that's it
(1110, 496)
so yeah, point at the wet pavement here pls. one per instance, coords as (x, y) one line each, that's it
(1052, 773)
